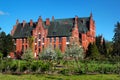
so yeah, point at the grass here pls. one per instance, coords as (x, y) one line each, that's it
(60, 77)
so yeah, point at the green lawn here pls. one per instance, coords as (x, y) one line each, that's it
(60, 77)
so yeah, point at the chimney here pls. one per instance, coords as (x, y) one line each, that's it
(52, 18)
(31, 23)
(24, 22)
(17, 22)
(47, 21)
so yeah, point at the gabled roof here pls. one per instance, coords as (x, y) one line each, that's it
(63, 27)
(22, 32)
(57, 28)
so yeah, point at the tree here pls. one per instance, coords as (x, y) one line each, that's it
(59, 54)
(101, 45)
(109, 47)
(30, 42)
(93, 52)
(6, 43)
(28, 55)
(116, 40)
(9, 43)
(74, 51)
(49, 53)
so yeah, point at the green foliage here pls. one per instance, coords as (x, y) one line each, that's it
(109, 47)
(74, 51)
(101, 45)
(93, 52)
(30, 42)
(40, 66)
(6, 44)
(28, 55)
(1, 55)
(59, 54)
(65, 71)
(116, 40)
(49, 54)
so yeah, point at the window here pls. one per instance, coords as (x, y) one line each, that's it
(39, 36)
(26, 40)
(43, 46)
(54, 40)
(68, 39)
(43, 40)
(26, 46)
(60, 46)
(22, 40)
(31, 32)
(35, 40)
(14, 40)
(50, 40)
(54, 46)
(23, 48)
(39, 50)
(39, 43)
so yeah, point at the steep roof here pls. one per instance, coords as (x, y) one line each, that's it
(63, 27)
(57, 28)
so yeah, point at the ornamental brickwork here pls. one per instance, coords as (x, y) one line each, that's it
(58, 32)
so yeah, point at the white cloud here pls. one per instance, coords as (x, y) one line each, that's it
(3, 13)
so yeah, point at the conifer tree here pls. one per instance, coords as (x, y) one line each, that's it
(116, 40)
(93, 52)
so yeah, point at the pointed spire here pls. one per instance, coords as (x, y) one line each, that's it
(91, 15)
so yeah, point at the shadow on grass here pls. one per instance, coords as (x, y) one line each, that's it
(54, 78)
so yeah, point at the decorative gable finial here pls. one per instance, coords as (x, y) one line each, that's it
(17, 21)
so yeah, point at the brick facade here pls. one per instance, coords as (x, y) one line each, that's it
(42, 38)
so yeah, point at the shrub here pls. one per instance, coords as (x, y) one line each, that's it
(28, 55)
(74, 51)
(48, 54)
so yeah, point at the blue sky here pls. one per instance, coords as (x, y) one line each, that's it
(106, 13)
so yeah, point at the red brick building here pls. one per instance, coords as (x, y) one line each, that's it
(58, 32)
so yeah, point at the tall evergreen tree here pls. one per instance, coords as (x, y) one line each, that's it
(116, 40)
(6, 44)
(101, 45)
(93, 52)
